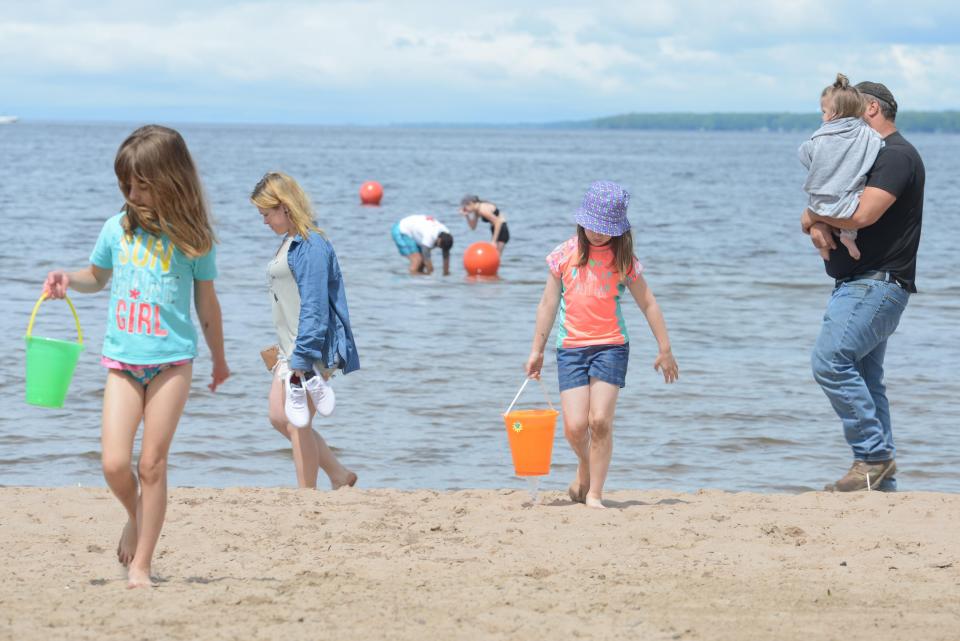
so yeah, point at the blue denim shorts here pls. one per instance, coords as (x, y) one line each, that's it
(577, 365)
(406, 245)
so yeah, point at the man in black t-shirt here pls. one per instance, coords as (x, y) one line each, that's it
(870, 295)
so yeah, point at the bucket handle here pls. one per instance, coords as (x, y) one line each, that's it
(522, 387)
(73, 309)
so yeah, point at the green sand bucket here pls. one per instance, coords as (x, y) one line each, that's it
(50, 363)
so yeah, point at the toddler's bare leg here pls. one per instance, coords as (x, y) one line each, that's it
(850, 242)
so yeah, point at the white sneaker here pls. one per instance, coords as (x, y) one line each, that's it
(322, 395)
(295, 403)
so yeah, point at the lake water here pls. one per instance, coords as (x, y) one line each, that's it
(715, 220)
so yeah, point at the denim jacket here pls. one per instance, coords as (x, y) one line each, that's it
(323, 330)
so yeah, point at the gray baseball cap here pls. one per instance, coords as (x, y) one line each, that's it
(878, 90)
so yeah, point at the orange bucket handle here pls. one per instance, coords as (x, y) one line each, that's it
(522, 387)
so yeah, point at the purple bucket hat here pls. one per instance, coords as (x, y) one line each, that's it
(604, 209)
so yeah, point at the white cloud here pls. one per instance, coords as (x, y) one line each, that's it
(345, 45)
(595, 58)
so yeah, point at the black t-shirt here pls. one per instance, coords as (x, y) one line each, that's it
(891, 243)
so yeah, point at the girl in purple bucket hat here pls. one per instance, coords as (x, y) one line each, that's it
(588, 273)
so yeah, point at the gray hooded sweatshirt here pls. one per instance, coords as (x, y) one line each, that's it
(838, 157)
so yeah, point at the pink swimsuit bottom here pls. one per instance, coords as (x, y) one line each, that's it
(142, 374)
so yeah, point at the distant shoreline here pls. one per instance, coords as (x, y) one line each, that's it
(912, 121)
(947, 122)
(925, 121)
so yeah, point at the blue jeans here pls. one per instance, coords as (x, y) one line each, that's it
(577, 365)
(848, 362)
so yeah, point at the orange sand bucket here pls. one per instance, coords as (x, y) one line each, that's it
(530, 433)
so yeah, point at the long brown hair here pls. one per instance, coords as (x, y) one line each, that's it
(158, 157)
(622, 247)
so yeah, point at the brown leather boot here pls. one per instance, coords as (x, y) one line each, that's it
(864, 476)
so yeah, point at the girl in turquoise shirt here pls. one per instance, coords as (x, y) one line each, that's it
(159, 251)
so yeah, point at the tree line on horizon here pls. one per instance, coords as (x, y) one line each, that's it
(924, 121)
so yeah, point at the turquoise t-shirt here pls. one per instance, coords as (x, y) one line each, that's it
(148, 321)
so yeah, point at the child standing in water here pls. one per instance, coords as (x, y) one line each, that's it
(588, 273)
(312, 322)
(838, 157)
(160, 253)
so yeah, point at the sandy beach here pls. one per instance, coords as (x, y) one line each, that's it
(383, 564)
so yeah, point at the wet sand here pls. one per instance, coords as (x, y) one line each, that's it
(382, 564)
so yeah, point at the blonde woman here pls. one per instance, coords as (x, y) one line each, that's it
(159, 251)
(310, 316)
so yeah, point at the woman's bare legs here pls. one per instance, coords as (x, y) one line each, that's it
(165, 398)
(305, 455)
(310, 452)
(305, 450)
(603, 404)
(339, 475)
(122, 411)
(576, 406)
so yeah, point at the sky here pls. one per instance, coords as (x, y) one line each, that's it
(382, 62)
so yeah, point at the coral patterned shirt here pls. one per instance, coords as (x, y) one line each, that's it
(590, 296)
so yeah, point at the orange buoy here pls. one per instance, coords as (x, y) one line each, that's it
(371, 192)
(481, 259)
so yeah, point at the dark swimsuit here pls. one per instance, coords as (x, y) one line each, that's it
(504, 235)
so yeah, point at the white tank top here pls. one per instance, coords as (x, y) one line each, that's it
(284, 299)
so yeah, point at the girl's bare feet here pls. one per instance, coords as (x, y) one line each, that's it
(578, 493)
(595, 502)
(348, 480)
(580, 485)
(128, 543)
(139, 578)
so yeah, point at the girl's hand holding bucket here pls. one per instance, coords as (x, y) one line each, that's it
(56, 284)
(88, 280)
(534, 365)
